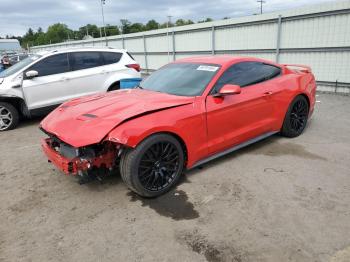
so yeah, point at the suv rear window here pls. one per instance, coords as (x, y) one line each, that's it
(85, 60)
(111, 57)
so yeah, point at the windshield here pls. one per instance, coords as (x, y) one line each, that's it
(182, 79)
(20, 65)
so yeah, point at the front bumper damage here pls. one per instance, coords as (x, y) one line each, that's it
(87, 163)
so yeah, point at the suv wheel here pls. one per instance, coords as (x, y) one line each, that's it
(9, 117)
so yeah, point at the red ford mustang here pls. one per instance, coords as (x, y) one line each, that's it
(183, 115)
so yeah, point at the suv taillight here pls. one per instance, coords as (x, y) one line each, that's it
(134, 66)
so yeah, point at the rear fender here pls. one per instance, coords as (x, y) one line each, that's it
(115, 77)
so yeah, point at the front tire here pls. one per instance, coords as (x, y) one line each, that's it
(296, 117)
(154, 166)
(9, 116)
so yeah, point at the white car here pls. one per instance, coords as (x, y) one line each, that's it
(44, 80)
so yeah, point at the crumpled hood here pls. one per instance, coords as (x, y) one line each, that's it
(87, 120)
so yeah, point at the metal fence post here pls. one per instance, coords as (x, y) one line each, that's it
(123, 42)
(145, 52)
(278, 38)
(174, 49)
(213, 40)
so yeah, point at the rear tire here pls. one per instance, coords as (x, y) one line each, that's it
(154, 166)
(296, 117)
(115, 86)
(9, 116)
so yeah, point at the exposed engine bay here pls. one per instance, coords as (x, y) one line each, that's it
(87, 163)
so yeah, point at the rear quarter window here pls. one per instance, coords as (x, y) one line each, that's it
(111, 57)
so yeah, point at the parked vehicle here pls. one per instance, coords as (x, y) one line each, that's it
(14, 59)
(183, 115)
(43, 81)
(5, 61)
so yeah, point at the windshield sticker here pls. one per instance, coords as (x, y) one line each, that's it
(208, 68)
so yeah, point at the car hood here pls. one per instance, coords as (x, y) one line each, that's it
(87, 120)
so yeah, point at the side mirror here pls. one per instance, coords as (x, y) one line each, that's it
(31, 74)
(229, 89)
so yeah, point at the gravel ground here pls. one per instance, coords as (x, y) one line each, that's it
(278, 200)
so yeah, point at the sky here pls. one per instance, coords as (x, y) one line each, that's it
(16, 16)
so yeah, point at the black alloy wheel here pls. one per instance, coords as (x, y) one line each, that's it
(158, 166)
(296, 117)
(154, 166)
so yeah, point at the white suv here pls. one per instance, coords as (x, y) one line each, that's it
(43, 81)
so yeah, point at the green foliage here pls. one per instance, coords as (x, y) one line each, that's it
(152, 25)
(59, 32)
(181, 22)
(205, 20)
(88, 29)
(126, 24)
(112, 30)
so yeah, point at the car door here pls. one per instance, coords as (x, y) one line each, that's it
(52, 85)
(234, 119)
(89, 72)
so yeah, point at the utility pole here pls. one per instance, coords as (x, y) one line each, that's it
(167, 35)
(261, 5)
(103, 2)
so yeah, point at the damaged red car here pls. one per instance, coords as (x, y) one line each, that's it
(183, 115)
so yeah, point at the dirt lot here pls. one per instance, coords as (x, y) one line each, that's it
(278, 200)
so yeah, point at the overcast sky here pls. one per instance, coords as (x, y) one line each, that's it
(16, 16)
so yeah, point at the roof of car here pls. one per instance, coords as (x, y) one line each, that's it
(220, 59)
(65, 50)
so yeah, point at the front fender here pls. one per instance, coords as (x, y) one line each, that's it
(185, 122)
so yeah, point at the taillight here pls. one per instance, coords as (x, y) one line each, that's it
(134, 66)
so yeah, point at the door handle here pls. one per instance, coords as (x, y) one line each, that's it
(268, 93)
(64, 79)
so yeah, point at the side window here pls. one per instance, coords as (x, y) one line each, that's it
(246, 73)
(111, 57)
(84, 60)
(51, 65)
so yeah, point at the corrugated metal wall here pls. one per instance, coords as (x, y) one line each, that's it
(318, 36)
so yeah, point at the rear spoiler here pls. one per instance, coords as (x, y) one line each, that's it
(302, 68)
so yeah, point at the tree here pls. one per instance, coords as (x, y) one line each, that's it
(112, 30)
(125, 26)
(137, 27)
(208, 19)
(90, 29)
(181, 22)
(58, 33)
(152, 25)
